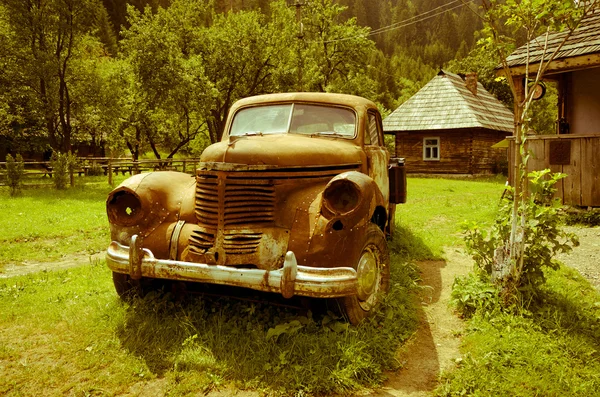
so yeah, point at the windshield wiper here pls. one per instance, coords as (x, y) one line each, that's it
(328, 133)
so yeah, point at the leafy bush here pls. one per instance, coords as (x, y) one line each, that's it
(15, 171)
(543, 239)
(95, 169)
(586, 218)
(473, 293)
(63, 165)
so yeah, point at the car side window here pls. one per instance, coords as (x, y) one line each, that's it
(372, 137)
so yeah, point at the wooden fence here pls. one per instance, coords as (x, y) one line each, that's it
(36, 172)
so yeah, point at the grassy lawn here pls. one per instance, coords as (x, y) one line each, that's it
(436, 208)
(65, 332)
(552, 349)
(46, 225)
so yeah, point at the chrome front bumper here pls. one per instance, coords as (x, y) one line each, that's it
(289, 280)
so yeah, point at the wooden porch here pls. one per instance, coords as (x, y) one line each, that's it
(577, 155)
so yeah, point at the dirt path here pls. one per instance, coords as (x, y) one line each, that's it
(12, 270)
(434, 347)
(586, 257)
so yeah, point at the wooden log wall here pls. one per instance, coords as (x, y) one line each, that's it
(467, 151)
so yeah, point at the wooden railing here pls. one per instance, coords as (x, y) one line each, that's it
(35, 171)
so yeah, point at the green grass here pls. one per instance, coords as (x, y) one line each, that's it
(69, 326)
(65, 332)
(551, 350)
(437, 207)
(46, 225)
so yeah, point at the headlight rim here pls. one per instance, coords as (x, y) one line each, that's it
(337, 185)
(117, 204)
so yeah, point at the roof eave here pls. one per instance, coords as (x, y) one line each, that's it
(556, 66)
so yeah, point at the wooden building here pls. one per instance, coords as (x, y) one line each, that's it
(449, 127)
(575, 148)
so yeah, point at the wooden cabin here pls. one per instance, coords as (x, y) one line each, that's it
(449, 127)
(575, 147)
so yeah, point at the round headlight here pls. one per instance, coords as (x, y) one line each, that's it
(341, 196)
(124, 207)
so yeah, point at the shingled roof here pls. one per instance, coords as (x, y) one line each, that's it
(446, 103)
(584, 40)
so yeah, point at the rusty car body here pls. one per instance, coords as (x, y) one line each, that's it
(294, 200)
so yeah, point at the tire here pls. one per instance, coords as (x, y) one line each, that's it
(125, 286)
(373, 268)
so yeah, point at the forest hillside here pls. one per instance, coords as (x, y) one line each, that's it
(158, 76)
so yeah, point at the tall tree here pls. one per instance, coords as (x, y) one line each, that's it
(167, 94)
(46, 33)
(336, 51)
(537, 18)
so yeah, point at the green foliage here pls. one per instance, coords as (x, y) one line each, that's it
(63, 165)
(474, 293)
(15, 170)
(543, 238)
(582, 217)
(552, 349)
(95, 169)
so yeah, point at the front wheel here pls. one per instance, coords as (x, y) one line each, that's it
(125, 286)
(373, 272)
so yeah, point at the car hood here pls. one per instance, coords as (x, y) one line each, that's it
(284, 150)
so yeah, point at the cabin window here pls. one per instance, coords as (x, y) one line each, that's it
(431, 149)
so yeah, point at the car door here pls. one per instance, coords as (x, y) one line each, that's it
(377, 155)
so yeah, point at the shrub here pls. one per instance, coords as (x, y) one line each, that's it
(543, 239)
(587, 218)
(62, 166)
(15, 172)
(95, 169)
(473, 293)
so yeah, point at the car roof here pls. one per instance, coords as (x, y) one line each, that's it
(313, 97)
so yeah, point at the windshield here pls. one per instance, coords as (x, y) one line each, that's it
(294, 119)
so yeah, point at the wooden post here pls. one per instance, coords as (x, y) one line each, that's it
(183, 167)
(109, 171)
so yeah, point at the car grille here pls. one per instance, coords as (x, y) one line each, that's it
(244, 202)
(241, 203)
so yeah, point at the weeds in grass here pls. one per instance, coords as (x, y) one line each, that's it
(261, 345)
(552, 349)
(474, 293)
(586, 218)
(74, 317)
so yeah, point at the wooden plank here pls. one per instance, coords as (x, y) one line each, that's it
(572, 183)
(537, 159)
(587, 178)
(594, 172)
(554, 168)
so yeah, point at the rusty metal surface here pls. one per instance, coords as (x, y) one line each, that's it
(282, 213)
(289, 280)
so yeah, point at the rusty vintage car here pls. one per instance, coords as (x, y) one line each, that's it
(294, 200)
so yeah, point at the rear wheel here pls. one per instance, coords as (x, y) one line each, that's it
(373, 272)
